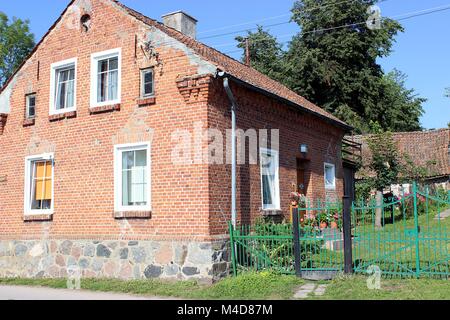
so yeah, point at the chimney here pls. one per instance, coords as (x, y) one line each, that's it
(182, 22)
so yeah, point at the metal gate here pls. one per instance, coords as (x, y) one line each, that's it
(270, 246)
(413, 238)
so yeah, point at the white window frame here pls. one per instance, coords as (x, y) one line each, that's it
(277, 205)
(333, 167)
(27, 187)
(95, 57)
(118, 150)
(53, 69)
(27, 105)
(148, 95)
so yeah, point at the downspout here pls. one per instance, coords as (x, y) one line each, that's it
(232, 99)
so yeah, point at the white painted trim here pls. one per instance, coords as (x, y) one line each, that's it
(55, 66)
(27, 186)
(94, 79)
(118, 149)
(27, 106)
(277, 205)
(330, 165)
(143, 71)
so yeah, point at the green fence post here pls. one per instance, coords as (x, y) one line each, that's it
(233, 246)
(416, 232)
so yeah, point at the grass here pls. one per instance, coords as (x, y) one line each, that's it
(260, 286)
(355, 288)
(251, 286)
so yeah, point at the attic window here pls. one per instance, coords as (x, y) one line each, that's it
(85, 22)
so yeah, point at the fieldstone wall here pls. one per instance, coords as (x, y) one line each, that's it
(114, 259)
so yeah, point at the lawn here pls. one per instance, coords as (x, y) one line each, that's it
(355, 288)
(251, 286)
(260, 286)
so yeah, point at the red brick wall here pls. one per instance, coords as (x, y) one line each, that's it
(83, 146)
(189, 201)
(260, 112)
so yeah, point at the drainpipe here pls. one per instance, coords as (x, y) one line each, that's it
(232, 99)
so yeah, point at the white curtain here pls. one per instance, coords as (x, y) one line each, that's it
(112, 85)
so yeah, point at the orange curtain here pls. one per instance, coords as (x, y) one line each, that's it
(44, 180)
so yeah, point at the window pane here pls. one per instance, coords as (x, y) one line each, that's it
(127, 160)
(102, 87)
(134, 178)
(113, 63)
(70, 94)
(141, 158)
(267, 189)
(112, 85)
(148, 77)
(270, 187)
(65, 88)
(31, 112)
(103, 66)
(31, 103)
(60, 96)
(329, 176)
(41, 185)
(126, 190)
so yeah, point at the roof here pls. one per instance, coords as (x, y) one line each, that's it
(430, 149)
(227, 64)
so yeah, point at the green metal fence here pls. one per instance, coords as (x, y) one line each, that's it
(412, 241)
(270, 246)
(414, 237)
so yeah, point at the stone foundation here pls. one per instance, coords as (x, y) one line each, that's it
(126, 260)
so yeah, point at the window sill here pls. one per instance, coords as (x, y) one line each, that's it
(104, 109)
(29, 122)
(133, 215)
(143, 102)
(271, 212)
(38, 217)
(62, 116)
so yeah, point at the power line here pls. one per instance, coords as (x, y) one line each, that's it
(264, 26)
(276, 17)
(405, 16)
(280, 23)
(400, 17)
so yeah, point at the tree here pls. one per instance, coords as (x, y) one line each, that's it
(266, 54)
(337, 69)
(332, 62)
(404, 106)
(16, 42)
(447, 92)
(384, 163)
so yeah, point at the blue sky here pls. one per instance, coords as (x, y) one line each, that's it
(422, 51)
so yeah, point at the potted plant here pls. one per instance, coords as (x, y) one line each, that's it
(323, 221)
(295, 198)
(334, 221)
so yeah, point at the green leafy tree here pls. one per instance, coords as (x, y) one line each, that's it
(404, 106)
(337, 68)
(384, 163)
(332, 61)
(16, 42)
(266, 54)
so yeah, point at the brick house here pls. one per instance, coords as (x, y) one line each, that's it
(87, 123)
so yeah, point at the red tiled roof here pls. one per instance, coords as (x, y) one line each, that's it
(224, 63)
(429, 149)
(235, 68)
